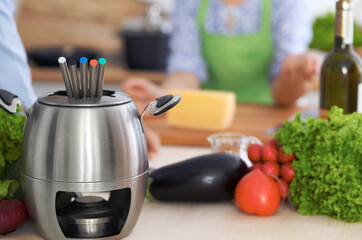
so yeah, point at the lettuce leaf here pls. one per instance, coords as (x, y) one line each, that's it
(328, 178)
(8, 188)
(11, 139)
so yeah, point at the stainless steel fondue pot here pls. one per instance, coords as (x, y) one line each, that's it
(90, 145)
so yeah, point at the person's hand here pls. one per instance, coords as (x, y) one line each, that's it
(299, 74)
(308, 67)
(142, 91)
(153, 142)
(301, 70)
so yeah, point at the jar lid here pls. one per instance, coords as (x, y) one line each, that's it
(153, 21)
(109, 98)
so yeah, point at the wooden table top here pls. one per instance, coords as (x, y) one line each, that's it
(250, 120)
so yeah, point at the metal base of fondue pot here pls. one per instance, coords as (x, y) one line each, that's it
(91, 216)
(46, 221)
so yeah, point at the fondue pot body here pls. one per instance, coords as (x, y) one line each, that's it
(84, 142)
(83, 146)
(74, 147)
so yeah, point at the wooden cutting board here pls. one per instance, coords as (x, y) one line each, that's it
(250, 120)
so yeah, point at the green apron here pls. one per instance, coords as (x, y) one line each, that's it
(239, 63)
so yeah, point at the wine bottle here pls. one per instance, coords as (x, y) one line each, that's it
(341, 73)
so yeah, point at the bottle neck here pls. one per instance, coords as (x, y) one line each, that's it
(343, 25)
(339, 44)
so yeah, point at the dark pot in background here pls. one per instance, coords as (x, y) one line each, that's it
(146, 40)
(145, 50)
(48, 56)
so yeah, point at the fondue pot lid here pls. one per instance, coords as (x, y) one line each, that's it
(109, 98)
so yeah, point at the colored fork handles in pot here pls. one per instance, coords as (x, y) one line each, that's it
(91, 86)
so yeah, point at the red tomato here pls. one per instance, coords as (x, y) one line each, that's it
(287, 172)
(269, 153)
(257, 193)
(285, 158)
(271, 168)
(254, 152)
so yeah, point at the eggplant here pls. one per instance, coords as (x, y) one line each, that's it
(206, 178)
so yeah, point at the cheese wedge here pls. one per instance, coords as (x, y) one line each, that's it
(203, 110)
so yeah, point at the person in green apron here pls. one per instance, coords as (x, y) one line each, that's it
(209, 51)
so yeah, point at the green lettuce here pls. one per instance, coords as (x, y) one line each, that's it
(328, 177)
(11, 139)
(8, 188)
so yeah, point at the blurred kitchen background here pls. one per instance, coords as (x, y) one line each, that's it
(120, 30)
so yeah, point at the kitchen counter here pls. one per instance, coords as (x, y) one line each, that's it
(183, 221)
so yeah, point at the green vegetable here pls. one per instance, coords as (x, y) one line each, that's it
(11, 139)
(328, 177)
(323, 33)
(8, 188)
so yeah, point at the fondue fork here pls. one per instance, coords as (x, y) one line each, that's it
(100, 79)
(84, 76)
(65, 73)
(74, 78)
(93, 77)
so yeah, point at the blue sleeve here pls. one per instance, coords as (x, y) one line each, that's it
(292, 30)
(185, 44)
(14, 70)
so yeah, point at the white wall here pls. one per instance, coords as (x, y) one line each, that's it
(320, 7)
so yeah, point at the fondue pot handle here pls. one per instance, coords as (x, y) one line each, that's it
(9, 102)
(161, 105)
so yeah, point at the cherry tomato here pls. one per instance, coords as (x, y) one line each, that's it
(284, 187)
(254, 152)
(257, 193)
(283, 158)
(287, 172)
(271, 168)
(274, 142)
(269, 153)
